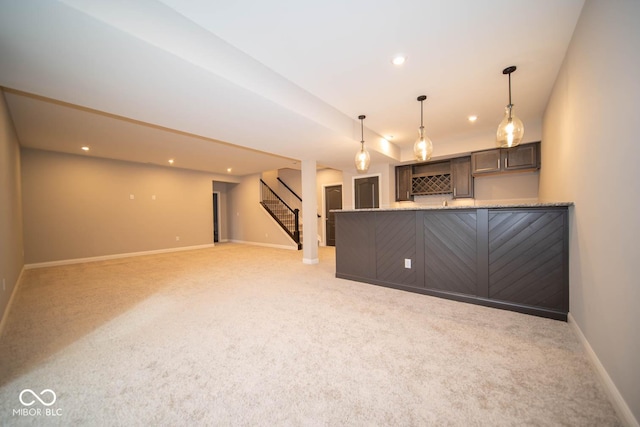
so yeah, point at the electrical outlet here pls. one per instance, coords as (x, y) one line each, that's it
(177, 238)
(407, 263)
(131, 196)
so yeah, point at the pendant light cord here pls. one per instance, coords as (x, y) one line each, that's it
(509, 88)
(421, 98)
(510, 104)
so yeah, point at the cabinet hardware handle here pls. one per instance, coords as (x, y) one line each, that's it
(407, 194)
(454, 191)
(506, 163)
(498, 163)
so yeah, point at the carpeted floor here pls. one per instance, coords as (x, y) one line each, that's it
(245, 335)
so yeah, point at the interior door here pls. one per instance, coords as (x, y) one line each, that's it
(333, 200)
(366, 193)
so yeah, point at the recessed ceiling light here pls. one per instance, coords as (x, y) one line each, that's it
(399, 60)
(171, 161)
(472, 119)
(85, 148)
(228, 169)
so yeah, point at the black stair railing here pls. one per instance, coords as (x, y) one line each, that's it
(292, 192)
(289, 219)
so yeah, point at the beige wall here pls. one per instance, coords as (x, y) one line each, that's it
(293, 179)
(80, 207)
(590, 153)
(11, 241)
(513, 188)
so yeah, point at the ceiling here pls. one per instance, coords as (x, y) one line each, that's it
(252, 85)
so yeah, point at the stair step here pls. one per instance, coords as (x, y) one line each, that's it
(284, 214)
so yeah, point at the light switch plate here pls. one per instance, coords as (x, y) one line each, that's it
(407, 263)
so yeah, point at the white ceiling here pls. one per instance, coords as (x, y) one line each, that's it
(255, 85)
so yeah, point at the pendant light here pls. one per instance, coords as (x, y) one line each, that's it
(362, 157)
(423, 147)
(510, 129)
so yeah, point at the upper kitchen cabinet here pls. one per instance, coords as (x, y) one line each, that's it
(526, 156)
(403, 183)
(521, 158)
(485, 162)
(461, 177)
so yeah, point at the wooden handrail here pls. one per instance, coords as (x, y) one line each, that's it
(288, 188)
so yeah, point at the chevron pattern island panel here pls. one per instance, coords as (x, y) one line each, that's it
(395, 242)
(526, 258)
(450, 259)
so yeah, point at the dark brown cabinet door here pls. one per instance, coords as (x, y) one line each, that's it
(485, 162)
(403, 183)
(521, 157)
(461, 176)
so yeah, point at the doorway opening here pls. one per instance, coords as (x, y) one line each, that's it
(216, 225)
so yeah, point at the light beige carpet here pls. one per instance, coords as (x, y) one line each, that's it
(244, 335)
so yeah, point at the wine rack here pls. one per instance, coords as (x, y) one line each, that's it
(431, 184)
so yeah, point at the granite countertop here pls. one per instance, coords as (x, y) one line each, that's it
(477, 206)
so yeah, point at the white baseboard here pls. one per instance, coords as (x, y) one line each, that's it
(310, 261)
(618, 402)
(7, 309)
(115, 256)
(268, 245)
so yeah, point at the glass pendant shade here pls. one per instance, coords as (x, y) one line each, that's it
(363, 160)
(510, 129)
(423, 147)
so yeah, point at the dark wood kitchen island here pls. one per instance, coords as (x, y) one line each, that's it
(514, 257)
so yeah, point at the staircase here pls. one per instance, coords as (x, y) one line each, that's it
(287, 218)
